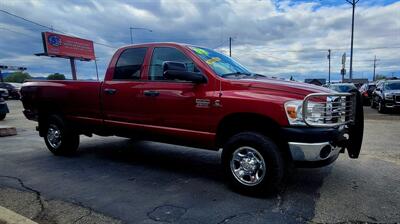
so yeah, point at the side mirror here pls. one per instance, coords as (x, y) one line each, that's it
(177, 70)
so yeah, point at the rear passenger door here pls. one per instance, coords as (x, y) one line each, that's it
(123, 95)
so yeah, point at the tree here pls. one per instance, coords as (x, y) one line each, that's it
(18, 77)
(378, 77)
(56, 76)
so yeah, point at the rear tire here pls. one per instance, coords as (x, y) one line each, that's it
(59, 138)
(253, 164)
(2, 116)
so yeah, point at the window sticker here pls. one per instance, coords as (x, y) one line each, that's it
(213, 60)
(200, 51)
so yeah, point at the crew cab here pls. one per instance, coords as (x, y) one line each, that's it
(194, 96)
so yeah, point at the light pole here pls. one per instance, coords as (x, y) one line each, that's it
(329, 58)
(353, 3)
(137, 28)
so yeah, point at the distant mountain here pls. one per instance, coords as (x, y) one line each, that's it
(39, 78)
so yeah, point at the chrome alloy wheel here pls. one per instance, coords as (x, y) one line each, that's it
(248, 166)
(54, 136)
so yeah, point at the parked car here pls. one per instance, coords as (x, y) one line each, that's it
(342, 87)
(366, 92)
(3, 109)
(386, 95)
(4, 93)
(194, 96)
(13, 89)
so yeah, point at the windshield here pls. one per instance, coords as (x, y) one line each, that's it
(342, 88)
(222, 65)
(392, 86)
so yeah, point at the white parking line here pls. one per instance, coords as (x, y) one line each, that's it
(10, 217)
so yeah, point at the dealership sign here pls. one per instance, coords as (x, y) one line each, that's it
(59, 45)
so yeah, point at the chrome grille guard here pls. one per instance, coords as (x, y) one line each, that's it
(329, 109)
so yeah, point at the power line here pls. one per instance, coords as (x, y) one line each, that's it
(17, 32)
(323, 50)
(221, 44)
(49, 28)
(27, 20)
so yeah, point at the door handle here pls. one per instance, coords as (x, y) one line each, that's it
(110, 91)
(151, 93)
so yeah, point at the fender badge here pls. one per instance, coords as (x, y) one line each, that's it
(202, 103)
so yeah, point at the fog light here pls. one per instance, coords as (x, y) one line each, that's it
(325, 151)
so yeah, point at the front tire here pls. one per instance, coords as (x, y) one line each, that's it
(381, 107)
(59, 138)
(373, 105)
(253, 163)
(2, 116)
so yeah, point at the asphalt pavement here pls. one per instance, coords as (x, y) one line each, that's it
(117, 180)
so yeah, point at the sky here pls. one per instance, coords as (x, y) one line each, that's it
(271, 37)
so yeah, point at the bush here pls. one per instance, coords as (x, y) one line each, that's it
(18, 77)
(56, 76)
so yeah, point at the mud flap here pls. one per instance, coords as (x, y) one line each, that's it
(356, 129)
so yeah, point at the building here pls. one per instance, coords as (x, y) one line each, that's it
(318, 82)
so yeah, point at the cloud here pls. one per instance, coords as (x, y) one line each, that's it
(279, 38)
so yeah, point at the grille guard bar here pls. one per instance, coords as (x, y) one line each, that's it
(345, 109)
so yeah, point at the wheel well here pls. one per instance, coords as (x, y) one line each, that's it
(235, 123)
(44, 112)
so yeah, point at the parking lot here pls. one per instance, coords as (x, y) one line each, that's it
(117, 180)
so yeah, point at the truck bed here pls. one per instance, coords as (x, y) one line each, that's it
(78, 99)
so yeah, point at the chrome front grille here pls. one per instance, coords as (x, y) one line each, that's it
(329, 110)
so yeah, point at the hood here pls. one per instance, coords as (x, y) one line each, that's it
(298, 88)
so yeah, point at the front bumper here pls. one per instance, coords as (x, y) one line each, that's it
(392, 104)
(313, 154)
(31, 115)
(314, 147)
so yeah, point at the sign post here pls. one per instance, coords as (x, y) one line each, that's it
(72, 48)
(73, 68)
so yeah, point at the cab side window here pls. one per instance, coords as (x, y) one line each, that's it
(161, 54)
(129, 64)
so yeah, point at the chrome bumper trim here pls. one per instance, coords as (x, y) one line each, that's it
(311, 151)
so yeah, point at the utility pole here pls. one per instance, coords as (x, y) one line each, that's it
(137, 28)
(353, 3)
(343, 70)
(230, 46)
(375, 60)
(329, 58)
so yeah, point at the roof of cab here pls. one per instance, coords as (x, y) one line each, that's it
(153, 44)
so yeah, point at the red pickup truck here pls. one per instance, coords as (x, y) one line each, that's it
(194, 96)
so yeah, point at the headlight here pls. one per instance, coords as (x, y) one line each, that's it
(294, 112)
(388, 96)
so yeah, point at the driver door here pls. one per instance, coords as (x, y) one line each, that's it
(177, 101)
